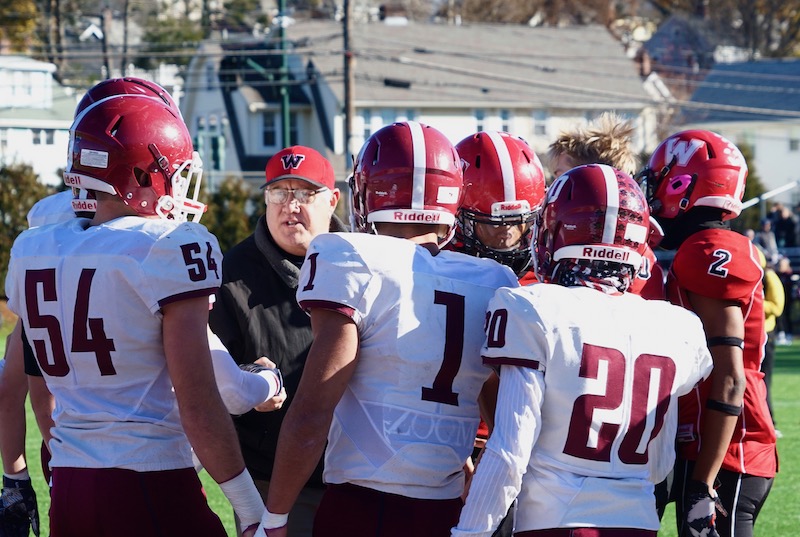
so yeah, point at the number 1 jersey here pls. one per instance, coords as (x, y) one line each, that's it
(407, 421)
(90, 301)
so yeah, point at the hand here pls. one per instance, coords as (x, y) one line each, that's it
(261, 365)
(18, 509)
(469, 471)
(258, 530)
(266, 362)
(283, 531)
(700, 510)
(272, 404)
(276, 402)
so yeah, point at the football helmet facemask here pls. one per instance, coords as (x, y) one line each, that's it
(504, 185)
(406, 172)
(140, 150)
(595, 213)
(694, 168)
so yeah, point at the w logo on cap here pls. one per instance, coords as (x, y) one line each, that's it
(292, 161)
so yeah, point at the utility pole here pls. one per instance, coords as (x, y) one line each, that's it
(349, 110)
(283, 74)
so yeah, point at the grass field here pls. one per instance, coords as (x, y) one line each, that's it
(779, 518)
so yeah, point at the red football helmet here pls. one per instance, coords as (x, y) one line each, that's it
(406, 172)
(592, 212)
(695, 168)
(128, 85)
(84, 203)
(140, 150)
(503, 185)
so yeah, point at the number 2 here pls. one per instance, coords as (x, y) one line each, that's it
(717, 268)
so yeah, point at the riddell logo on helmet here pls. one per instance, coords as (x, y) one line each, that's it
(510, 208)
(605, 253)
(426, 218)
(84, 205)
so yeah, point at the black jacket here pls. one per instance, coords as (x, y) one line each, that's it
(256, 314)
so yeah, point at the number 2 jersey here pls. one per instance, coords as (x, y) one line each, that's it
(407, 421)
(90, 301)
(589, 383)
(722, 264)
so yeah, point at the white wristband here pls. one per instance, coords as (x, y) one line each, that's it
(244, 498)
(271, 520)
(275, 380)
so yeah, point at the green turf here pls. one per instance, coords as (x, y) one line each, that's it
(780, 516)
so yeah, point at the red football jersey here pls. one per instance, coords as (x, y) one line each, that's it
(723, 264)
(649, 282)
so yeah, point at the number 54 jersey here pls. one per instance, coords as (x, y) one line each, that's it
(407, 421)
(90, 301)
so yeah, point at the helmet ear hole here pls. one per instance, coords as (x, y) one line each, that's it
(478, 161)
(142, 177)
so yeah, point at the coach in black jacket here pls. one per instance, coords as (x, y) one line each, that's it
(256, 313)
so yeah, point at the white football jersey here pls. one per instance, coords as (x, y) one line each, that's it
(51, 209)
(90, 301)
(406, 424)
(601, 375)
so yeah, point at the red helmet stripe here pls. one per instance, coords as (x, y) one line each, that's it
(420, 165)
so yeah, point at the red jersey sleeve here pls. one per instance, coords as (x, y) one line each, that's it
(718, 263)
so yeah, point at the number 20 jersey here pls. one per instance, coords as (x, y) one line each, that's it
(407, 421)
(612, 375)
(90, 300)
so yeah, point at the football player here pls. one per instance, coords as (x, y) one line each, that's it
(393, 376)
(607, 140)
(695, 181)
(575, 450)
(503, 191)
(115, 309)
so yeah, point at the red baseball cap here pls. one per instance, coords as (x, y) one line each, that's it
(300, 162)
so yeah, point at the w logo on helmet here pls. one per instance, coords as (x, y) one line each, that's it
(682, 151)
(292, 161)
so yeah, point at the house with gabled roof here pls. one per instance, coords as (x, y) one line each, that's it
(756, 103)
(532, 82)
(35, 115)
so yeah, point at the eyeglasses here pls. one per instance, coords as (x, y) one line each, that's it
(304, 196)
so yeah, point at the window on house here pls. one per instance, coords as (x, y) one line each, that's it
(294, 133)
(409, 116)
(540, 123)
(480, 118)
(210, 77)
(388, 116)
(794, 144)
(505, 120)
(366, 116)
(272, 133)
(43, 136)
(3, 138)
(269, 134)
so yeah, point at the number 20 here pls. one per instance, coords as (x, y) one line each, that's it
(581, 419)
